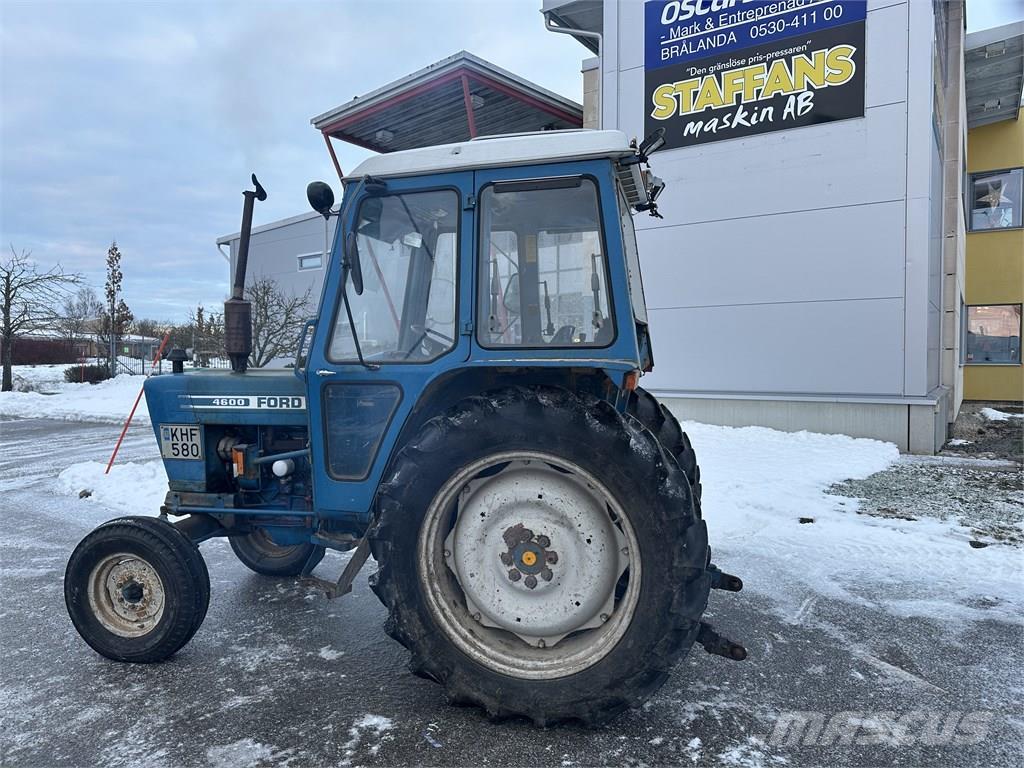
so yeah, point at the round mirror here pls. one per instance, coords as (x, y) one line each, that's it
(321, 197)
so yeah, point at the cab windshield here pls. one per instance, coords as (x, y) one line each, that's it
(407, 247)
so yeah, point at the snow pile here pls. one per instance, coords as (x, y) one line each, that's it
(993, 415)
(109, 401)
(38, 378)
(130, 488)
(772, 523)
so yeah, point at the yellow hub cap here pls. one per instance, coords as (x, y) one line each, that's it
(529, 558)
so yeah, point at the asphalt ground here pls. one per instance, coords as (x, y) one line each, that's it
(278, 675)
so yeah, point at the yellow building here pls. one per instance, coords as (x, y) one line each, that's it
(994, 285)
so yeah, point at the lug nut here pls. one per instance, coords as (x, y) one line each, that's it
(543, 541)
(541, 644)
(530, 581)
(604, 617)
(546, 574)
(506, 558)
(447, 553)
(551, 557)
(514, 575)
(476, 617)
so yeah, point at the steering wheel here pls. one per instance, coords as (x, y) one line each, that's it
(434, 348)
(563, 335)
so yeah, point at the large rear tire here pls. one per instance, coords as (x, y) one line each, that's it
(540, 556)
(665, 426)
(137, 589)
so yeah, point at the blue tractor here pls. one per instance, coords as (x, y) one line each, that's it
(466, 409)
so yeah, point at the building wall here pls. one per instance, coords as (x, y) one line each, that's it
(813, 262)
(995, 259)
(274, 251)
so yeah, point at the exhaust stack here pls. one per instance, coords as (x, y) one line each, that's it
(238, 311)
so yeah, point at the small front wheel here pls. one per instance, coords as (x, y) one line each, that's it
(136, 589)
(260, 553)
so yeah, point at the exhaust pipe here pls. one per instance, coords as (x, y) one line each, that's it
(238, 311)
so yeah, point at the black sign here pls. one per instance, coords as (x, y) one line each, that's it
(722, 69)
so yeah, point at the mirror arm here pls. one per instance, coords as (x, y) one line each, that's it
(352, 325)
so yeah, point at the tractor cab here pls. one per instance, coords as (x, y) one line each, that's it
(461, 267)
(466, 408)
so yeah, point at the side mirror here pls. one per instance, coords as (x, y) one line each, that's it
(355, 270)
(321, 198)
(652, 144)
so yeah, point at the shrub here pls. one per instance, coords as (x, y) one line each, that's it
(89, 373)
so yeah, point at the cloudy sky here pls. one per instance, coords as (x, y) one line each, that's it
(141, 121)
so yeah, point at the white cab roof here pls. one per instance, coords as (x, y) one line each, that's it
(497, 151)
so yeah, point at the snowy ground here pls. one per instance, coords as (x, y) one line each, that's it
(878, 617)
(108, 401)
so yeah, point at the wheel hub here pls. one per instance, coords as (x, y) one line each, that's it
(126, 595)
(536, 552)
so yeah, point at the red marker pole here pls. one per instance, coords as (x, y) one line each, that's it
(138, 398)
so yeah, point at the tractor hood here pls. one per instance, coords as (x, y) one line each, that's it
(193, 412)
(223, 397)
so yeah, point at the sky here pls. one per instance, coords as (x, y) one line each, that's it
(140, 122)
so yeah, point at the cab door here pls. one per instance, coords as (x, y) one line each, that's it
(414, 239)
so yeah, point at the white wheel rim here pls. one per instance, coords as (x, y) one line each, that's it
(529, 565)
(126, 595)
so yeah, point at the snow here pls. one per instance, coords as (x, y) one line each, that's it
(759, 482)
(131, 488)
(994, 415)
(108, 401)
(364, 728)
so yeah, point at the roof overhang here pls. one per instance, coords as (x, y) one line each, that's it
(456, 99)
(581, 15)
(994, 73)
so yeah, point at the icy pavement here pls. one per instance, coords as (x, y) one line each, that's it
(872, 640)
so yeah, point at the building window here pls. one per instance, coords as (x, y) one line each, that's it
(996, 199)
(992, 335)
(310, 261)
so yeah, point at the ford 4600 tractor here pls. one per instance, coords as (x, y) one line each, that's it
(466, 409)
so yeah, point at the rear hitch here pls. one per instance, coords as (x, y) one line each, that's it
(722, 580)
(718, 645)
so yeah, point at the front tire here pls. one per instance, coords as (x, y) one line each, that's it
(259, 553)
(464, 553)
(137, 589)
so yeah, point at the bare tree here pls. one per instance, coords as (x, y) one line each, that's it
(30, 300)
(277, 319)
(81, 315)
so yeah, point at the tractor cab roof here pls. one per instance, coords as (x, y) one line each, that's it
(497, 152)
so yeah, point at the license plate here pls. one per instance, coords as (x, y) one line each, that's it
(181, 441)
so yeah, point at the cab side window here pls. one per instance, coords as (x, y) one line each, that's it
(543, 270)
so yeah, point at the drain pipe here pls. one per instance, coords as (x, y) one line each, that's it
(551, 27)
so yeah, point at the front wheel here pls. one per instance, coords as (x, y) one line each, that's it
(136, 589)
(260, 553)
(540, 556)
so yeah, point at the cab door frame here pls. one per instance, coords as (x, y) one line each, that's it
(351, 501)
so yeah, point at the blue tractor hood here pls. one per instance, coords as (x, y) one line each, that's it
(221, 403)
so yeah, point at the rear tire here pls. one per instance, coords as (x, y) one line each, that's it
(259, 553)
(137, 589)
(576, 443)
(662, 422)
